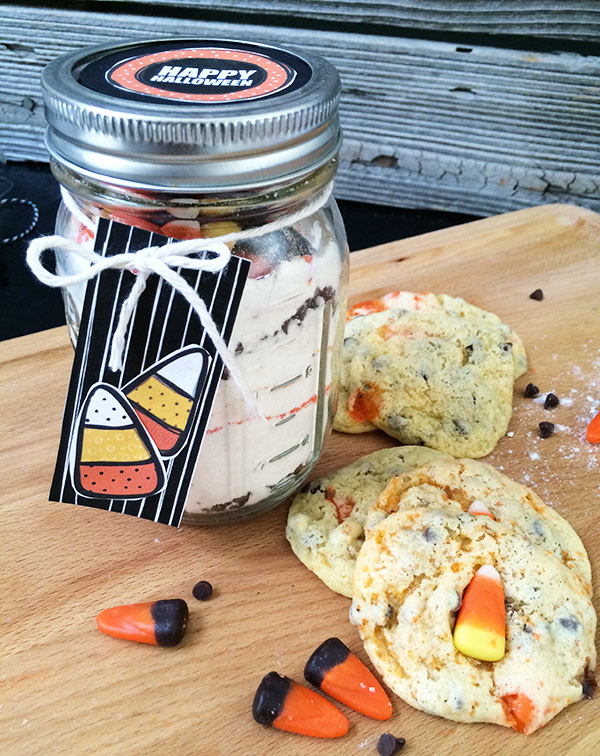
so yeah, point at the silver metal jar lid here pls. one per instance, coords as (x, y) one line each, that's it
(191, 114)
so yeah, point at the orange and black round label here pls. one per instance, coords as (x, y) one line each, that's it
(207, 72)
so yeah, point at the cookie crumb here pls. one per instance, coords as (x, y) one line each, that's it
(202, 591)
(388, 744)
(551, 400)
(531, 390)
(510, 434)
(538, 295)
(546, 429)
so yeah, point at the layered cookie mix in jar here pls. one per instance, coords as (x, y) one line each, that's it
(208, 139)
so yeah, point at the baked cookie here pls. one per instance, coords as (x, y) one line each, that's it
(325, 521)
(458, 306)
(455, 484)
(435, 378)
(410, 576)
(366, 317)
(361, 320)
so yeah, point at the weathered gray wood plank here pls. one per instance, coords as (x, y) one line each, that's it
(576, 19)
(425, 126)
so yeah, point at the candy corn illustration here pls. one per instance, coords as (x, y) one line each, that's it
(113, 456)
(160, 623)
(334, 669)
(165, 397)
(480, 626)
(282, 703)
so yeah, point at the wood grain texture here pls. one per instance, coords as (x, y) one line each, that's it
(67, 689)
(425, 125)
(579, 19)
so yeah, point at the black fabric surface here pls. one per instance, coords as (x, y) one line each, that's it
(28, 306)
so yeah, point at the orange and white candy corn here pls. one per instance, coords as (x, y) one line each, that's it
(480, 626)
(479, 508)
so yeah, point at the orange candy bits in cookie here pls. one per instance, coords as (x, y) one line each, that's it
(367, 307)
(364, 403)
(519, 711)
(343, 507)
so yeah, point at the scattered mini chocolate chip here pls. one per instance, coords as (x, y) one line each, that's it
(202, 590)
(546, 429)
(551, 400)
(462, 428)
(388, 744)
(453, 614)
(506, 347)
(531, 390)
(569, 623)
(538, 295)
(429, 534)
(314, 486)
(589, 684)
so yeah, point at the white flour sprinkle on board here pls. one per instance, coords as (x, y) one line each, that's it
(552, 467)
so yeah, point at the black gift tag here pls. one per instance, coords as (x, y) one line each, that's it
(130, 439)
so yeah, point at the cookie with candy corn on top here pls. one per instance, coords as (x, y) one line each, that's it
(410, 580)
(467, 485)
(325, 521)
(165, 396)
(366, 318)
(113, 456)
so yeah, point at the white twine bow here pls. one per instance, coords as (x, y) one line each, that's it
(162, 260)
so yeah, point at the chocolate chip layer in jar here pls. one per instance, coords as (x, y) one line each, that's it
(273, 159)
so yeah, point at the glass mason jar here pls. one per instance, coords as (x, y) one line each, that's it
(274, 154)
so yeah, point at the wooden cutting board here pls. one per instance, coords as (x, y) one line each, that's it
(67, 689)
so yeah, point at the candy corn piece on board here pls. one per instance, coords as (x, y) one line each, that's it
(159, 623)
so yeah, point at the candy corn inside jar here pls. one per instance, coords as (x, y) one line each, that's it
(198, 139)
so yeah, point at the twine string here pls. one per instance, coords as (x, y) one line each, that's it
(163, 261)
